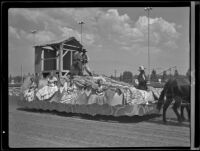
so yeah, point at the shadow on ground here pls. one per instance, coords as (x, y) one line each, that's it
(153, 118)
(171, 122)
(103, 118)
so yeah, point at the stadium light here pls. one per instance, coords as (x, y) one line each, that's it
(81, 23)
(148, 9)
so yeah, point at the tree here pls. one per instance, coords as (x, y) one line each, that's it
(164, 75)
(10, 78)
(17, 79)
(176, 74)
(188, 74)
(127, 76)
(121, 77)
(153, 75)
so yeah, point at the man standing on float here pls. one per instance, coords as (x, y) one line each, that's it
(85, 60)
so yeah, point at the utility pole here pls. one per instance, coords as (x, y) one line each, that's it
(81, 23)
(21, 75)
(148, 9)
(34, 32)
(34, 43)
(115, 74)
(170, 70)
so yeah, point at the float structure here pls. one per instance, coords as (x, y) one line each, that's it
(56, 56)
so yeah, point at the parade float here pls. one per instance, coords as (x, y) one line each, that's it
(117, 98)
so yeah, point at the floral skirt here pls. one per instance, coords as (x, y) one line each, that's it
(69, 97)
(46, 92)
(99, 99)
(29, 95)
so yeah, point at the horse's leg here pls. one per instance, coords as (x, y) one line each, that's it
(182, 113)
(188, 111)
(175, 108)
(165, 106)
(160, 100)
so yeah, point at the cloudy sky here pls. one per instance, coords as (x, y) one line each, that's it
(116, 38)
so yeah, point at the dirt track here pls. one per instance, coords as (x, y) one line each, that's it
(33, 128)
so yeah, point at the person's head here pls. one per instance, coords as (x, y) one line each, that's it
(51, 74)
(99, 81)
(67, 78)
(141, 69)
(88, 87)
(32, 79)
(118, 91)
(84, 51)
(76, 53)
(70, 77)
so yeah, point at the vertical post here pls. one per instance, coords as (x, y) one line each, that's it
(21, 75)
(148, 9)
(42, 61)
(192, 62)
(148, 50)
(34, 36)
(81, 23)
(57, 60)
(81, 33)
(60, 59)
(71, 57)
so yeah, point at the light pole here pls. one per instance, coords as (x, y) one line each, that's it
(148, 9)
(34, 43)
(34, 32)
(81, 23)
(21, 75)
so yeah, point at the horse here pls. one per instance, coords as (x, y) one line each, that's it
(177, 89)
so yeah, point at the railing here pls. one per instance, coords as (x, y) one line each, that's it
(14, 85)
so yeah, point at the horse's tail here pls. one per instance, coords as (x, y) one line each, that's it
(161, 100)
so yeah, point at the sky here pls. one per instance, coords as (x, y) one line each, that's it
(116, 38)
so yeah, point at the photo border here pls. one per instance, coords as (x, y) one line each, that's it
(194, 55)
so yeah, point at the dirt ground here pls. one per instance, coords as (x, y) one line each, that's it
(36, 128)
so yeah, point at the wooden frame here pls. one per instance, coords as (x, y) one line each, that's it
(62, 48)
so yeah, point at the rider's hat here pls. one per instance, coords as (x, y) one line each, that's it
(141, 68)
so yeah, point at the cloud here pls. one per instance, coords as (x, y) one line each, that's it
(68, 32)
(87, 38)
(159, 29)
(29, 14)
(123, 31)
(117, 25)
(171, 44)
(126, 48)
(55, 23)
(99, 46)
(34, 15)
(13, 31)
(137, 49)
(100, 26)
(39, 37)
